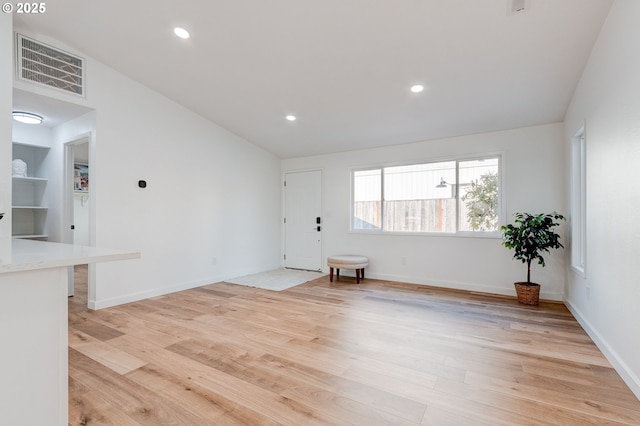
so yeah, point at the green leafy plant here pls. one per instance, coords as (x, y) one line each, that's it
(481, 201)
(531, 236)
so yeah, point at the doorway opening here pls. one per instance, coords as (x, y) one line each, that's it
(77, 211)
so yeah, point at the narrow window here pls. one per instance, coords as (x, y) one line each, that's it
(578, 202)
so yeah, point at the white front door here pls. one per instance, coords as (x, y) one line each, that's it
(303, 220)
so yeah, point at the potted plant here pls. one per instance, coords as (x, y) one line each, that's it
(530, 237)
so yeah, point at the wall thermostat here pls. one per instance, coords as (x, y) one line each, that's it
(142, 183)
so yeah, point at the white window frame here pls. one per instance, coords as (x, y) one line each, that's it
(458, 233)
(579, 202)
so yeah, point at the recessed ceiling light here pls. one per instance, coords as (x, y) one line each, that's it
(181, 32)
(291, 117)
(27, 117)
(417, 88)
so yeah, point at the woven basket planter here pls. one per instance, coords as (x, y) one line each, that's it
(528, 294)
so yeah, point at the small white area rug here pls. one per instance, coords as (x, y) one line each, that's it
(276, 280)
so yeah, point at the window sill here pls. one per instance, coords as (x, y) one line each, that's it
(488, 235)
(579, 271)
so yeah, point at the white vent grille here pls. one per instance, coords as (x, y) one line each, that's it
(51, 67)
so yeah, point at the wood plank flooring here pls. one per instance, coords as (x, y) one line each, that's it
(337, 353)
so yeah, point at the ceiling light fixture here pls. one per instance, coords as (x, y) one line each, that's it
(417, 88)
(181, 32)
(27, 117)
(291, 117)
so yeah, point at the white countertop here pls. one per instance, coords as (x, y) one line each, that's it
(27, 255)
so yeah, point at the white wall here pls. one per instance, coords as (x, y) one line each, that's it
(211, 209)
(31, 134)
(534, 159)
(607, 102)
(210, 195)
(6, 93)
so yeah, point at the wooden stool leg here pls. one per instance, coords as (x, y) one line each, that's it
(362, 273)
(358, 276)
(331, 274)
(337, 274)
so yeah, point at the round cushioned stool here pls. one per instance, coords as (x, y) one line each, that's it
(347, 261)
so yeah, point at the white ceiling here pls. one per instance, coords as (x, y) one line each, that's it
(343, 67)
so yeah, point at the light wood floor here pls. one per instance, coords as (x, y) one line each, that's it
(337, 354)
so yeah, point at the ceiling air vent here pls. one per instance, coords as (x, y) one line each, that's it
(48, 66)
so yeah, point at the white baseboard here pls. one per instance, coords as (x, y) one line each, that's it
(134, 297)
(509, 291)
(621, 367)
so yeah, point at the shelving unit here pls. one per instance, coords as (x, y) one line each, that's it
(29, 201)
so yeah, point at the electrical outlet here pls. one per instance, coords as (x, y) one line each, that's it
(214, 261)
(403, 261)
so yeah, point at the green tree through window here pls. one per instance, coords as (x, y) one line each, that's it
(481, 200)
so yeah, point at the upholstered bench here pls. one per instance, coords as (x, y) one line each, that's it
(347, 261)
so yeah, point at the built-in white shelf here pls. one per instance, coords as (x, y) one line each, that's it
(30, 237)
(28, 199)
(30, 179)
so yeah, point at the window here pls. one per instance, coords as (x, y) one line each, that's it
(578, 202)
(367, 196)
(439, 197)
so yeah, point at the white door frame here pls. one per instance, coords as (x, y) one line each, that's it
(67, 198)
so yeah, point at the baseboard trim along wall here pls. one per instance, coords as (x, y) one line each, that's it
(134, 297)
(618, 363)
(509, 291)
